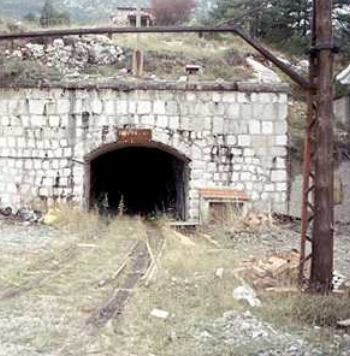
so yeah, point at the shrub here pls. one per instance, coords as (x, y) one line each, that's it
(172, 12)
(50, 16)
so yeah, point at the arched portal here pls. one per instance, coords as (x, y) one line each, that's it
(141, 179)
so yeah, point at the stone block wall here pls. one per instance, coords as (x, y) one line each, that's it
(232, 135)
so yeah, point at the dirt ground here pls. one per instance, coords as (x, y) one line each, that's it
(55, 280)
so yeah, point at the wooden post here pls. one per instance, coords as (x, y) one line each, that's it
(137, 60)
(322, 238)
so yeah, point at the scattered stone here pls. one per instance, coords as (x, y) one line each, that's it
(72, 55)
(247, 294)
(28, 215)
(275, 266)
(338, 281)
(219, 273)
(344, 323)
(160, 314)
(6, 211)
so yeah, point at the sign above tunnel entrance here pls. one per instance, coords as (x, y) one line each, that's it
(134, 136)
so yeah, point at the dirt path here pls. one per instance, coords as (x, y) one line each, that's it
(64, 295)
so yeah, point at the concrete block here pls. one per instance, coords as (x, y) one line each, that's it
(159, 107)
(144, 107)
(244, 140)
(231, 140)
(278, 176)
(121, 107)
(36, 107)
(267, 127)
(229, 97)
(63, 106)
(254, 127)
(109, 107)
(281, 140)
(148, 120)
(54, 120)
(233, 111)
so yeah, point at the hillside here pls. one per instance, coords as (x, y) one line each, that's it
(80, 10)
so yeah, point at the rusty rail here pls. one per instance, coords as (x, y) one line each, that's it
(290, 72)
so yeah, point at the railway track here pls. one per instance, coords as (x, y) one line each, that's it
(138, 266)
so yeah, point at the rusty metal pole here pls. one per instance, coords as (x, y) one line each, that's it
(322, 238)
(138, 55)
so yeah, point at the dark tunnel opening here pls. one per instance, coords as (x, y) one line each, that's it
(139, 181)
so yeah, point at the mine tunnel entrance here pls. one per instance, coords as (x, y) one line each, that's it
(139, 181)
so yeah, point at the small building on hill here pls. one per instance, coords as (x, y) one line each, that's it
(125, 13)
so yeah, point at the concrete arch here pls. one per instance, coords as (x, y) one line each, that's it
(113, 146)
(148, 177)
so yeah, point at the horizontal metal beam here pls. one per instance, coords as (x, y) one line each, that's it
(165, 29)
(108, 30)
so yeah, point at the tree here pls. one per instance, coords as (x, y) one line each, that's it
(172, 12)
(281, 22)
(30, 18)
(50, 16)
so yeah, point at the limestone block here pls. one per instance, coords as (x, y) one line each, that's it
(3, 142)
(245, 176)
(148, 120)
(174, 122)
(122, 107)
(37, 120)
(4, 120)
(11, 142)
(235, 177)
(217, 97)
(278, 151)
(280, 163)
(172, 107)
(197, 153)
(267, 127)
(280, 127)
(63, 106)
(233, 111)
(236, 126)
(36, 107)
(3, 107)
(144, 107)
(54, 120)
(254, 127)
(281, 140)
(197, 164)
(230, 97)
(231, 140)
(44, 192)
(281, 187)
(282, 111)
(109, 107)
(65, 120)
(269, 187)
(278, 176)
(218, 124)
(96, 106)
(191, 96)
(214, 108)
(244, 140)
(159, 107)
(243, 97)
(248, 152)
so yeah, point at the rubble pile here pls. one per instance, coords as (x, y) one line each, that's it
(71, 55)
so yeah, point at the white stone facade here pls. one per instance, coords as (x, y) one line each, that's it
(232, 137)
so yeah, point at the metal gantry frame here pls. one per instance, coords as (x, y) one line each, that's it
(317, 205)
